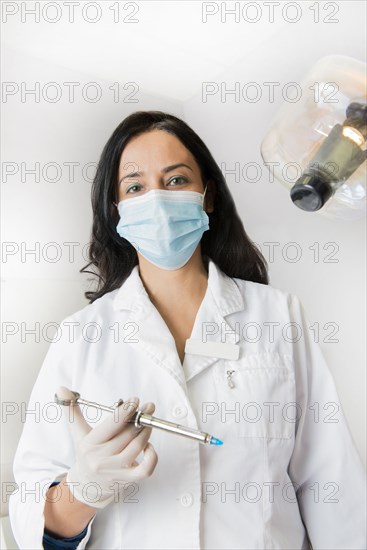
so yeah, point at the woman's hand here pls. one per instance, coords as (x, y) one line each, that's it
(106, 455)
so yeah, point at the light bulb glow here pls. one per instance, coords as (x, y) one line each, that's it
(354, 135)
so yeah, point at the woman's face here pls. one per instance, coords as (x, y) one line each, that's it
(157, 160)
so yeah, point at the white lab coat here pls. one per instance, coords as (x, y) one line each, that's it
(239, 495)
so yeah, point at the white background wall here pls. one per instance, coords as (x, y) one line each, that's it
(36, 289)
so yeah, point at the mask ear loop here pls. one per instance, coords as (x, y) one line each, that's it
(203, 196)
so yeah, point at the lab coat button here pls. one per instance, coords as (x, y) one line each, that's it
(186, 499)
(180, 411)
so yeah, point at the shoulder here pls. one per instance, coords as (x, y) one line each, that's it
(269, 302)
(258, 293)
(100, 309)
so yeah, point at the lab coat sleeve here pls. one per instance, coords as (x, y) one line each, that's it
(45, 451)
(325, 467)
(53, 542)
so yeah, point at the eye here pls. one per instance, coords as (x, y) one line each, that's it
(135, 186)
(184, 180)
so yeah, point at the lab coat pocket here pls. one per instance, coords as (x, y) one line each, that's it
(258, 396)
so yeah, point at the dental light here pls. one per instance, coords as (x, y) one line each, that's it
(316, 146)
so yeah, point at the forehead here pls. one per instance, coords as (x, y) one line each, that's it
(155, 149)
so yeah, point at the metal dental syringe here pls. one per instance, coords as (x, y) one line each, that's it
(140, 419)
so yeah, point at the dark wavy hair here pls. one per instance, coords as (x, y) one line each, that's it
(226, 241)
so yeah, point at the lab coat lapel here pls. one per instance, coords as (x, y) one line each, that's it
(222, 298)
(153, 336)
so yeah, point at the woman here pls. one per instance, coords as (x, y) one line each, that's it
(179, 277)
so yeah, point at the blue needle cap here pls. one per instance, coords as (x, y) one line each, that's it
(215, 441)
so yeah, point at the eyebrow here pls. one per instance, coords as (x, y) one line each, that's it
(164, 171)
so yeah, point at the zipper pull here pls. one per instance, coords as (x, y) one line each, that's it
(229, 378)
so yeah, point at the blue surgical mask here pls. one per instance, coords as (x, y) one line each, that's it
(164, 226)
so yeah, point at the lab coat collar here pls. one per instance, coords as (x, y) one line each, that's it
(224, 290)
(221, 299)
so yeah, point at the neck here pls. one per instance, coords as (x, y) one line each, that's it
(175, 288)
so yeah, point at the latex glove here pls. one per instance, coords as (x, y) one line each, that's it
(106, 455)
